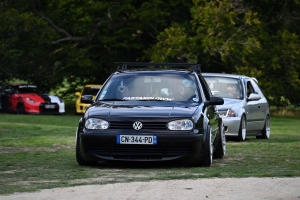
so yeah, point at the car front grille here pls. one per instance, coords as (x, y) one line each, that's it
(146, 125)
(49, 108)
(137, 151)
(132, 158)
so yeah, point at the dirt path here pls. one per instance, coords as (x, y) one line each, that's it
(228, 188)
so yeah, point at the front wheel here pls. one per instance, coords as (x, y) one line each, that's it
(221, 144)
(208, 150)
(242, 130)
(20, 109)
(79, 158)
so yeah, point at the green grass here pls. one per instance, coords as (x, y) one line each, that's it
(38, 152)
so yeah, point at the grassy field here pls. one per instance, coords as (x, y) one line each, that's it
(37, 152)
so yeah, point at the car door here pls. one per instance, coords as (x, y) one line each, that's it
(212, 112)
(255, 118)
(262, 108)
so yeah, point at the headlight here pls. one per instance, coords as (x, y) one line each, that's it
(231, 113)
(227, 113)
(30, 100)
(184, 125)
(94, 123)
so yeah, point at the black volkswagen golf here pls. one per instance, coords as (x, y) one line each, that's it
(152, 112)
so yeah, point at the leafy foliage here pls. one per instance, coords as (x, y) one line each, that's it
(53, 42)
(237, 37)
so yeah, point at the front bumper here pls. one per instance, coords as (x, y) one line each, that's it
(81, 108)
(232, 125)
(43, 108)
(169, 147)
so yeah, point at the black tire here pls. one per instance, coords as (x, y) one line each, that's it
(207, 150)
(221, 144)
(79, 158)
(266, 130)
(242, 130)
(20, 109)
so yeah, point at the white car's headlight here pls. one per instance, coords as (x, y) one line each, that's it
(231, 113)
(184, 125)
(227, 113)
(94, 123)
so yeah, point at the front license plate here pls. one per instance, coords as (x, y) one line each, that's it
(136, 139)
(49, 106)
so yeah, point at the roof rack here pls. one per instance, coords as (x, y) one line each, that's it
(122, 66)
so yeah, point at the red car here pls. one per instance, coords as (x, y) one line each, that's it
(25, 98)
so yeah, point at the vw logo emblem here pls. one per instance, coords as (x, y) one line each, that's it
(137, 125)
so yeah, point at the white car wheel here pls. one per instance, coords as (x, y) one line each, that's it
(242, 130)
(211, 148)
(267, 130)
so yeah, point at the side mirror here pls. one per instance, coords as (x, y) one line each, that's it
(213, 101)
(87, 99)
(253, 97)
(77, 94)
(216, 101)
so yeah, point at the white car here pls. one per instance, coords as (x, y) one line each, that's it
(245, 111)
(60, 102)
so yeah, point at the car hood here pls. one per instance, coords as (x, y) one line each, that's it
(229, 103)
(35, 97)
(141, 109)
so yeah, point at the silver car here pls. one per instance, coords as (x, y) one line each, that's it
(245, 111)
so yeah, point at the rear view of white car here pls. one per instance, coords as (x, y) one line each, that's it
(245, 111)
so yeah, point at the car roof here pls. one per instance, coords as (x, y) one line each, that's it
(225, 75)
(160, 71)
(161, 67)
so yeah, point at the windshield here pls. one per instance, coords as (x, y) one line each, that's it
(225, 87)
(151, 87)
(93, 90)
(25, 89)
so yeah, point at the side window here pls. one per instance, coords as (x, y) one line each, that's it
(250, 88)
(256, 88)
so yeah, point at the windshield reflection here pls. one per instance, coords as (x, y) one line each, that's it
(151, 87)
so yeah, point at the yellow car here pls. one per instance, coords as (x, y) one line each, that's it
(91, 89)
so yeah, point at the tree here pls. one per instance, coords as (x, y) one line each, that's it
(84, 38)
(230, 36)
(20, 34)
(277, 63)
(76, 42)
(219, 37)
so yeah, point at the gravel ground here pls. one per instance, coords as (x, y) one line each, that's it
(228, 188)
